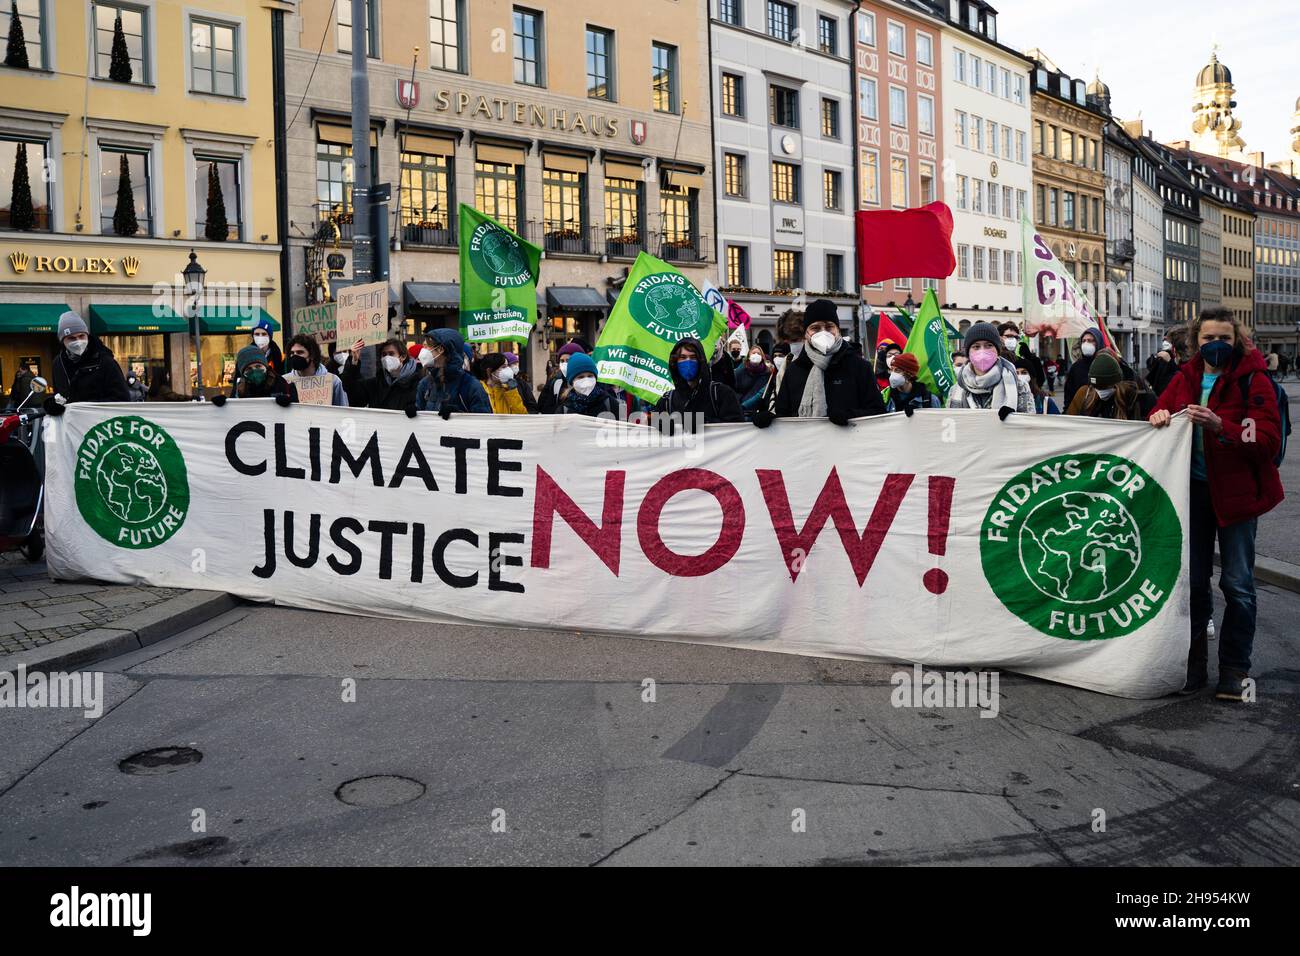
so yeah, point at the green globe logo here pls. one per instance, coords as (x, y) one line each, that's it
(497, 257)
(131, 484)
(669, 308)
(1082, 547)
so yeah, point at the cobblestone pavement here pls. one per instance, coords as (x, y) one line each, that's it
(35, 611)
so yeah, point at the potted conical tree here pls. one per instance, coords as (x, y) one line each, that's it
(119, 62)
(22, 215)
(16, 48)
(217, 229)
(124, 221)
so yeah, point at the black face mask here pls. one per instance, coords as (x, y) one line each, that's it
(297, 363)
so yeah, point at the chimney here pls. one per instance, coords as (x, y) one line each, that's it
(1256, 159)
(1134, 128)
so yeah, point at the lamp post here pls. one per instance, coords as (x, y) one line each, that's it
(194, 275)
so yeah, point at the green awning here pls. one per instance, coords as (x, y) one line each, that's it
(135, 320)
(22, 317)
(216, 320)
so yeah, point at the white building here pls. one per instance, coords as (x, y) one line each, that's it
(783, 155)
(1148, 256)
(987, 169)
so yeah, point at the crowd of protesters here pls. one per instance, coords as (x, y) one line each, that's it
(1209, 370)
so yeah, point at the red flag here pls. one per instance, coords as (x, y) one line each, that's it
(905, 244)
(887, 331)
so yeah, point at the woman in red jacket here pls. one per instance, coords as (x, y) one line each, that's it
(1227, 395)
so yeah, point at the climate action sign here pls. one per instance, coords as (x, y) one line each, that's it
(657, 308)
(801, 538)
(498, 280)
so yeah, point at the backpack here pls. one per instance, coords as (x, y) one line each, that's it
(1283, 410)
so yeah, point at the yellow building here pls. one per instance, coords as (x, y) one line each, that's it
(137, 126)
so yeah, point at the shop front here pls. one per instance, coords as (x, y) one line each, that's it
(224, 331)
(26, 342)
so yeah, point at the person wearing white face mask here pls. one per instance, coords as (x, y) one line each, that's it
(1164, 365)
(553, 392)
(988, 380)
(447, 387)
(394, 384)
(84, 369)
(829, 379)
(1091, 344)
(906, 394)
(270, 351)
(498, 378)
(1044, 404)
(586, 396)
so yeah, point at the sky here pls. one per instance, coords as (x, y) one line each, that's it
(1149, 52)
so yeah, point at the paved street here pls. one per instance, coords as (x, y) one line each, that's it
(548, 735)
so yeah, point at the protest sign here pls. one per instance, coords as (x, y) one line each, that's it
(657, 308)
(1053, 302)
(1004, 550)
(362, 313)
(498, 280)
(313, 389)
(318, 321)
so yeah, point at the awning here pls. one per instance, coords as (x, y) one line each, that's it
(20, 317)
(218, 320)
(135, 320)
(574, 298)
(431, 296)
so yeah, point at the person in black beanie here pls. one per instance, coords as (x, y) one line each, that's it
(828, 379)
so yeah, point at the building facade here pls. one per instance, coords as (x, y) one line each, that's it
(583, 126)
(166, 150)
(1148, 248)
(898, 68)
(1069, 184)
(1118, 298)
(986, 113)
(1238, 266)
(1276, 199)
(1182, 225)
(783, 164)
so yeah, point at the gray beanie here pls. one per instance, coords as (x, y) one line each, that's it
(71, 324)
(983, 332)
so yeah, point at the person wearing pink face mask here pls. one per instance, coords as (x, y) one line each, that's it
(988, 380)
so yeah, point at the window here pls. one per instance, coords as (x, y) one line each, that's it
(31, 14)
(995, 265)
(1006, 83)
(867, 108)
(832, 191)
(869, 179)
(924, 49)
(600, 60)
(828, 35)
(446, 18)
(529, 45)
(897, 39)
(124, 172)
(733, 165)
(1053, 207)
(962, 192)
(497, 193)
(738, 267)
(214, 66)
(928, 185)
(1018, 89)
(663, 74)
(993, 199)
(990, 77)
(962, 132)
(976, 71)
(830, 119)
(1096, 215)
(1020, 147)
(133, 26)
(1067, 210)
(1083, 213)
(733, 95)
(963, 261)
(1040, 204)
(925, 114)
(344, 28)
(1006, 142)
(1092, 154)
(780, 20)
(866, 28)
(729, 11)
(428, 214)
(785, 183)
(334, 178)
(564, 210)
(834, 272)
(678, 214)
(1067, 146)
(33, 155)
(959, 65)
(787, 269)
(624, 202)
(991, 139)
(898, 182)
(978, 260)
(216, 186)
(977, 134)
(1008, 202)
(898, 107)
(783, 107)
(1038, 138)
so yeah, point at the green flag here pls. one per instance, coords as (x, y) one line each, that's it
(498, 280)
(657, 308)
(928, 341)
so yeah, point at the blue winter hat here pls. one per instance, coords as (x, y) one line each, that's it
(579, 364)
(264, 324)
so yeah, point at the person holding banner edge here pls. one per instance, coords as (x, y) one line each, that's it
(1227, 395)
(254, 378)
(586, 395)
(448, 387)
(304, 361)
(695, 391)
(987, 380)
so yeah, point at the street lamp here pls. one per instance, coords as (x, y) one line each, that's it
(194, 275)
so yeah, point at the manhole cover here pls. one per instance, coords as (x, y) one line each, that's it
(381, 790)
(160, 760)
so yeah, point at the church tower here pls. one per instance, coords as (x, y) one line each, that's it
(1215, 130)
(1295, 137)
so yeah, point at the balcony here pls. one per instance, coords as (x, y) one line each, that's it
(429, 232)
(673, 247)
(339, 216)
(1121, 250)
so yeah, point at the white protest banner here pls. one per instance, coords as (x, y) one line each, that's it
(1054, 305)
(313, 389)
(1047, 545)
(362, 313)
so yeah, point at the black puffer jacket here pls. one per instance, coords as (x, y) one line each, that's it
(95, 377)
(851, 390)
(715, 401)
(395, 392)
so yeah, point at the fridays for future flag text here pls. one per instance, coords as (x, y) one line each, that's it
(928, 341)
(657, 308)
(1054, 305)
(498, 280)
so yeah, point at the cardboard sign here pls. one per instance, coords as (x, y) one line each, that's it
(362, 313)
(314, 389)
(318, 321)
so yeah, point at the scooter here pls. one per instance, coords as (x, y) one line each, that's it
(22, 478)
